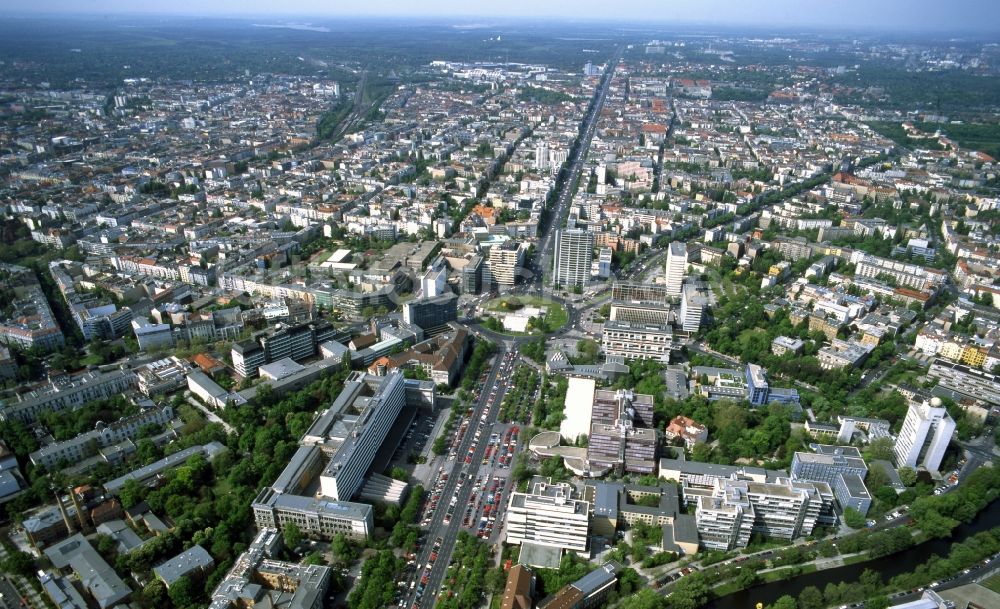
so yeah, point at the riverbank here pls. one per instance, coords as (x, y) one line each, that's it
(887, 566)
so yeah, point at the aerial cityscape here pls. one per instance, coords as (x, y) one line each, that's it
(547, 305)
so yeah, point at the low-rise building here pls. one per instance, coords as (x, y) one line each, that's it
(192, 561)
(96, 575)
(843, 354)
(587, 592)
(149, 473)
(689, 430)
(784, 344)
(259, 579)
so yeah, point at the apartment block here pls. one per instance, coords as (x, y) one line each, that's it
(87, 444)
(69, 391)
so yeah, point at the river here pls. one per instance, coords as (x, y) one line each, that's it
(887, 567)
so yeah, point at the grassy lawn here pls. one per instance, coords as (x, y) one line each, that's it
(850, 560)
(780, 574)
(993, 583)
(555, 313)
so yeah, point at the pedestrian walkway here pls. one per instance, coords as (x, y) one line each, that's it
(211, 416)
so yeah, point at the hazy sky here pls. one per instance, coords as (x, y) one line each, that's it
(979, 15)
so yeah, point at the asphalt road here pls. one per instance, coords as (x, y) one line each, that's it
(462, 491)
(545, 242)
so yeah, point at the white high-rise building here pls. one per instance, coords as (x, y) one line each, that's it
(503, 266)
(693, 304)
(542, 156)
(925, 434)
(676, 267)
(574, 257)
(434, 281)
(604, 259)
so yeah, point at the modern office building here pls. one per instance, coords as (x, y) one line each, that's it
(924, 436)
(609, 404)
(472, 276)
(676, 267)
(827, 463)
(297, 342)
(629, 292)
(839, 466)
(152, 336)
(736, 509)
(619, 439)
(503, 266)
(432, 314)
(355, 427)
(758, 390)
(548, 515)
(641, 313)
(247, 357)
(101, 322)
(693, 305)
(434, 280)
(604, 260)
(334, 457)
(574, 257)
(631, 340)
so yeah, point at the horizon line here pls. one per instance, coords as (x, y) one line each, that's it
(450, 19)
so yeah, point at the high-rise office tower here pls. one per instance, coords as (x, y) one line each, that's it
(925, 434)
(676, 267)
(542, 156)
(574, 256)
